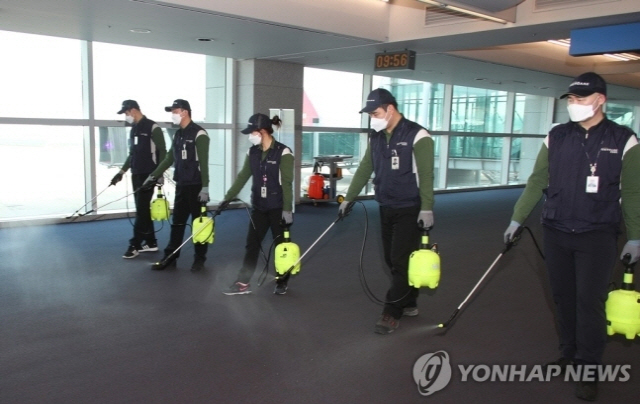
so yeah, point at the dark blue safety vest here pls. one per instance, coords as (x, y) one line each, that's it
(266, 173)
(397, 186)
(187, 170)
(142, 149)
(568, 207)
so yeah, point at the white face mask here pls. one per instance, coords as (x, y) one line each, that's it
(129, 119)
(579, 112)
(379, 124)
(176, 119)
(255, 139)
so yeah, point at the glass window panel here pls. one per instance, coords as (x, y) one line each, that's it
(531, 114)
(40, 76)
(418, 101)
(621, 113)
(323, 106)
(149, 77)
(474, 161)
(47, 163)
(478, 110)
(524, 152)
(218, 163)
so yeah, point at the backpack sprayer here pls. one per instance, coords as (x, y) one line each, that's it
(623, 305)
(160, 207)
(287, 255)
(294, 268)
(424, 264)
(511, 243)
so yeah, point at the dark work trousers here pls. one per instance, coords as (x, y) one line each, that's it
(263, 221)
(400, 237)
(143, 229)
(579, 267)
(186, 204)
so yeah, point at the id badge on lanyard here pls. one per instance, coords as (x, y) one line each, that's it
(184, 151)
(395, 160)
(592, 184)
(263, 188)
(592, 181)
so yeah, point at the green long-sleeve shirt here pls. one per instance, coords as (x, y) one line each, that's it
(424, 158)
(629, 189)
(158, 138)
(286, 178)
(202, 151)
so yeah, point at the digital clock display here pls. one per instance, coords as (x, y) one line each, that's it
(403, 60)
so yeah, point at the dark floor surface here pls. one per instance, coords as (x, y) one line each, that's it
(79, 324)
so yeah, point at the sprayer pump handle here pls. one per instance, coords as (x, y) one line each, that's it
(425, 230)
(626, 261)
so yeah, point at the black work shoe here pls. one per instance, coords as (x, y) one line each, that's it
(281, 288)
(131, 252)
(410, 311)
(386, 325)
(164, 263)
(587, 391)
(562, 363)
(198, 265)
(238, 288)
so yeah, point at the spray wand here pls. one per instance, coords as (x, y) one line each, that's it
(92, 199)
(514, 240)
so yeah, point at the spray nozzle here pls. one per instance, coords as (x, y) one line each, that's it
(514, 238)
(347, 210)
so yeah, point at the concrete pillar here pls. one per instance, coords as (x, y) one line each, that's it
(263, 85)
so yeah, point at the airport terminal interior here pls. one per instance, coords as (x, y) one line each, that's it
(80, 324)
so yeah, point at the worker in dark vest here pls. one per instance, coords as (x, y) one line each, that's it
(269, 164)
(146, 150)
(588, 171)
(189, 155)
(400, 153)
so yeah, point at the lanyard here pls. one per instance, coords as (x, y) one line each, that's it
(593, 166)
(263, 167)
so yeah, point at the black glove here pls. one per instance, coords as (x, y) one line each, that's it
(223, 205)
(117, 178)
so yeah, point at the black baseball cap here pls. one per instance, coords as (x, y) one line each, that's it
(127, 105)
(179, 103)
(257, 122)
(377, 98)
(586, 84)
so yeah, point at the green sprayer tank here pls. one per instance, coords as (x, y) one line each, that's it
(424, 264)
(623, 306)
